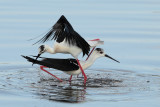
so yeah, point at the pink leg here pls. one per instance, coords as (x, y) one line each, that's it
(88, 56)
(42, 68)
(85, 77)
(95, 40)
(70, 78)
(90, 53)
(93, 48)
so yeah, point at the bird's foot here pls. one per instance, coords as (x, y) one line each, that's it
(85, 79)
(70, 78)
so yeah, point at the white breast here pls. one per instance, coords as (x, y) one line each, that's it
(64, 47)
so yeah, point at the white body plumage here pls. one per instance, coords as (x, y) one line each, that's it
(64, 47)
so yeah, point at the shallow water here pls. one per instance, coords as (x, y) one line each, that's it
(130, 30)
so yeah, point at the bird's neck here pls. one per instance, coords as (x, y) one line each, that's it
(90, 60)
(50, 50)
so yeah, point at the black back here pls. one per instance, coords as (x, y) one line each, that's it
(63, 30)
(59, 64)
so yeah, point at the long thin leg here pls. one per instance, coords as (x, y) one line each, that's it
(42, 68)
(93, 48)
(88, 56)
(95, 40)
(90, 53)
(85, 77)
(70, 78)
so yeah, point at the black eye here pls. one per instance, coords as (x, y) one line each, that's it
(101, 52)
(41, 47)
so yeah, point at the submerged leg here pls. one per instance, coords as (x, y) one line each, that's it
(91, 51)
(42, 68)
(88, 56)
(85, 77)
(70, 78)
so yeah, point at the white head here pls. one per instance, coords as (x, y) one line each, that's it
(99, 52)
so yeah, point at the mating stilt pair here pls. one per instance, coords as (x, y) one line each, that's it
(67, 40)
(83, 73)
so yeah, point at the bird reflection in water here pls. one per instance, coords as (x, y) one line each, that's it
(72, 92)
(63, 92)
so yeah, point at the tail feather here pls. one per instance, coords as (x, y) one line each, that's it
(33, 60)
(29, 59)
(42, 62)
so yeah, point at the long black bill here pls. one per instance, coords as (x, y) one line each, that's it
(111, 58)
(36, 58)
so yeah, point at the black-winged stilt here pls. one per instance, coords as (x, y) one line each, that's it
(67, 41)
(65, 48)
(69, 66)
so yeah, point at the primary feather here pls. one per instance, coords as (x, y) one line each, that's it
(59, 64)
(63, 30)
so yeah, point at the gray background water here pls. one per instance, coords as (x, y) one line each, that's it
(130, 29)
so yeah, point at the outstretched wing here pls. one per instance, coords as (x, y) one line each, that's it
(63, 30)
(59, 64)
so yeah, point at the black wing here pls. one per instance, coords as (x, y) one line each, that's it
(63, 30)
(59, 64)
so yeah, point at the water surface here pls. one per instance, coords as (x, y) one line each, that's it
(130, 30)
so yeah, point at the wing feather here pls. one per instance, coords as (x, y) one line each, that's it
(63, 30)
(59, 64)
